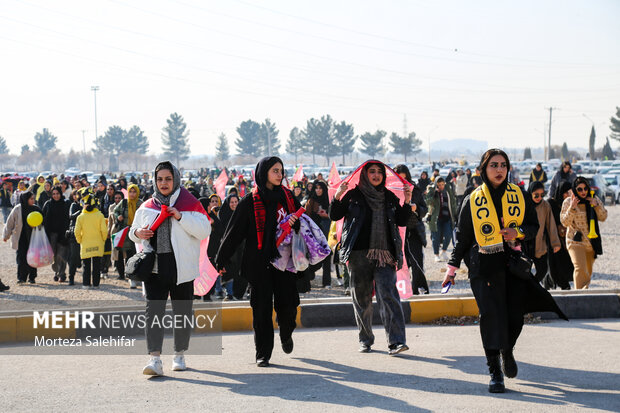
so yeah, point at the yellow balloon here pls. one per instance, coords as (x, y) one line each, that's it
(34, 219)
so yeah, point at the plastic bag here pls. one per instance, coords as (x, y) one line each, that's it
(299, 252)
(40, 251)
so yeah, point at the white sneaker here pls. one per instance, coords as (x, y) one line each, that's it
(133, 284)
(437, 259)
(154, 368)
(444, 256)
(178, 363)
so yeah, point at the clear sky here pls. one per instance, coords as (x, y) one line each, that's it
(462, 69)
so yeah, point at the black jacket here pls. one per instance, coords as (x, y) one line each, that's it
(56, 217)
(357, 218)
(466, 238)
(5, 198)
(242, 226)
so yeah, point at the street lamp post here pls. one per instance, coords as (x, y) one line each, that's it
(95, 89)
(429, 143)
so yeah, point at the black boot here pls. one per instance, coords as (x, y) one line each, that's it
(3, 287)
(509, 364)
(496, 385)
(71, 282)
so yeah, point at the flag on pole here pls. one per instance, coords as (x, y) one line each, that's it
(208, 274)
(220, 184)
(118, 238)
(298, 175)
(333, 181)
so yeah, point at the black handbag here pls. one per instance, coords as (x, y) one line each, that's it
(140, 266)
(520, 265)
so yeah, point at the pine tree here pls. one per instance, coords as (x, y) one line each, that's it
(615, 125)
(608, 153)
(527, 153)
(45, 141)
(174, 139)
(406, 145)
(324, 135)
(372, 143)
(4, 149)
(344, 139)
(565, 154)
(310, 137)
(24, 149)
(221, 148)
(249, 138)
(294, 145)
(591, 150)
(268, 134)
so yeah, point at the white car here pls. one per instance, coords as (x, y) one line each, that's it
(613, 185)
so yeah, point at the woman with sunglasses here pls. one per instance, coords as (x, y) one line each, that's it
(583, 244)
(547, 232)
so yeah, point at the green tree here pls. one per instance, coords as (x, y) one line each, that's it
(24, 149)
(405, 145)
(608, 153)
(268, 134)
(73, 159)
(136, 143)
(310, 137)
(112, 144)
(565, 154)
(4, 149)
(249, 141)
(615, 125)
(325, 137)
(527, 153)
(45, 141)
(222, 151)
(295, 143)
(372, 143)
(344, 139)
(591, 149)
(174, 138)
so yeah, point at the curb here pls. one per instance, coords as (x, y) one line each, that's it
(320, 314)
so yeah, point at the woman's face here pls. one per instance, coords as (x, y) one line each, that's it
(47, 186)
(403, 175)
(537, 195)
(56, 195)
(100, 187)
(309, 186)
(165, 182)
(423, 175)
(31, 201)
(319, 190)
(375, 175)
(132, 194)
(118, 198)
(77, 185)
(274, 175)
(21, 186)
(213, 203)
(297, 191)
(582, 190)
(496, 170)
(234, 201)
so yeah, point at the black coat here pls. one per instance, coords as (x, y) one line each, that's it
(56, 217)
(242, 226)
(354, 209)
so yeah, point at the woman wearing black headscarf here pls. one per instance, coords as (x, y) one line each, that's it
(316, 208)
(424, 181)
(495, 219)
(234, 285)
(255, 221)
(18, 230)
(56, 217)
(580, 215)
(560, 265)
(372, 247)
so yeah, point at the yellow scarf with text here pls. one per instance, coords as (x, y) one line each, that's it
(485, 219)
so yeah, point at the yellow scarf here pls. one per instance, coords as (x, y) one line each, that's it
(132, 205)
(485, 220)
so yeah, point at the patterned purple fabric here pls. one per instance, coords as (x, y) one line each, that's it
(315, 241)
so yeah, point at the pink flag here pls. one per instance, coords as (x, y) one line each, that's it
(333, 181)
(220, 184)
(208, 273)
(396, 184)
(125, 193)
(298, 175)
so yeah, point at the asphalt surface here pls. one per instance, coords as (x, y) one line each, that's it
(563, 366)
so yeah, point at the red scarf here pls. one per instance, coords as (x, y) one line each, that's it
(259, 212)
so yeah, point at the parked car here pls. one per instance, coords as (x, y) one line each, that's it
(599, 185)
(613, 184)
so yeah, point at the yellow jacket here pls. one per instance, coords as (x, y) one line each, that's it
(91, 232)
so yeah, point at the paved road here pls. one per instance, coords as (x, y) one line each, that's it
(563, 367)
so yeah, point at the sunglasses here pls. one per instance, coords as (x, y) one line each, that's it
(581, 189)
(536, 196)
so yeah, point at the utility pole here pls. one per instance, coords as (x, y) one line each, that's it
(404, 125)
(429, 144)
(549, 134)
(268, 141)
(95, 89)
(83, 141)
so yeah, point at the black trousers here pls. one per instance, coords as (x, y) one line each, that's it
(157, 289)
(24, 271)
(96, 270)
(415, 261)
(74, 257)
(499, 299)
(271, 290)
(542, 266)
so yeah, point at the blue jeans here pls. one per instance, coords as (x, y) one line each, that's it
(443, 235)
(5, 213)
(364, 274)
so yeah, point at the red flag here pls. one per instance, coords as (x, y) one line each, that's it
(208, 274)
(298, 175)
(220, 184)
(333, 181)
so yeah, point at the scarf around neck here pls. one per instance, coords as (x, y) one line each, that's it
(378, 249)
(485, 217)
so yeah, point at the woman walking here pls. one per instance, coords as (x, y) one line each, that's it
(560, 265)
(494, 220)
(124, 214)
(316, 208)
(255, 221)
(90, 232)
(75, 209)
(19, 231)
(176, 244)
(580, 215)
(372, 247)
(56, 218)
(230, 282)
